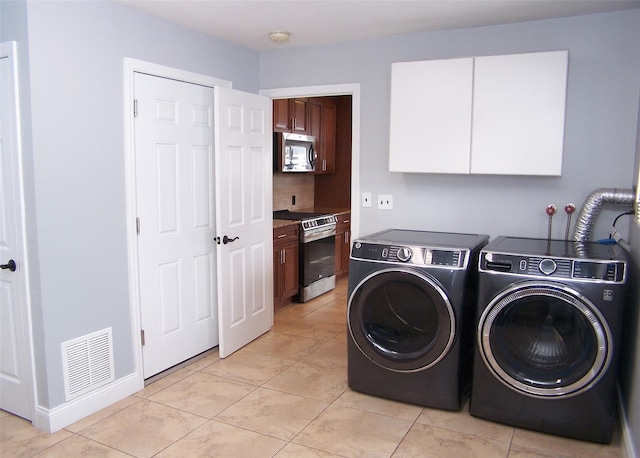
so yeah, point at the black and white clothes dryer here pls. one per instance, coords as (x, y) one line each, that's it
(410, 315)
(548, 336)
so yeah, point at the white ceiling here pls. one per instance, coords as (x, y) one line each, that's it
(314, 22)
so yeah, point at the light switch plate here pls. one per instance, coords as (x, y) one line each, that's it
(366, 199)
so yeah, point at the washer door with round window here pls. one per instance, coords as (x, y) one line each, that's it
(544, 340)
(401, 319)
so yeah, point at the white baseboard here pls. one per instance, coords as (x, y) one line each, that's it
(52, 420)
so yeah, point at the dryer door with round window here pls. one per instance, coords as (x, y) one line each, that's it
(401, 319)
(544, 340)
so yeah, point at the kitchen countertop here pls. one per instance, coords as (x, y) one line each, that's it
(278, 223)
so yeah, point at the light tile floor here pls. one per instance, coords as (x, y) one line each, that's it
(283, 395)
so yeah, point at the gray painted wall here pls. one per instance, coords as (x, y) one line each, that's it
(75, 56)
(601, 125)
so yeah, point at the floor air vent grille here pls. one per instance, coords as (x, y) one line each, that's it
(87, 363)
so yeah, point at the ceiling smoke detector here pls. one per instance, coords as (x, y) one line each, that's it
(279, 37)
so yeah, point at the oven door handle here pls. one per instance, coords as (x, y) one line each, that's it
(328, 232)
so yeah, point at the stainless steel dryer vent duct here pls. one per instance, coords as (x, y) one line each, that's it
(591, 207)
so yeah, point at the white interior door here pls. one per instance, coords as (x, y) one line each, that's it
(244, 217)
(16, 393)
(175, 204)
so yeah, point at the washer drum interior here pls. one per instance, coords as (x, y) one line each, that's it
(544, 340)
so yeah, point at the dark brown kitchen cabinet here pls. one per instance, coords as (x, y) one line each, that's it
(285, 263)
(343, 244)
(322, 121)
(291, 115)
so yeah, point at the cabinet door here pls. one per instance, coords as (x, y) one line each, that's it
(343, 244)
(277, 273)
(518, 114)
(281, 115)
(290, 270)
(315, 127)
(343, 250)
(322, 122)
(300, 114)
(285, 262)
(339, 250)
(328, 159)
(291, 115)
(431, 116)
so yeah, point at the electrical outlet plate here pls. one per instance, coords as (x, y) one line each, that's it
(385, 202)
(366, 199)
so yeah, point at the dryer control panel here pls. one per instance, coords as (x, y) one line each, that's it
(406, 254)
(554, 267)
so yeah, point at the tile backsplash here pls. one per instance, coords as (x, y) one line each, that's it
(286, 185)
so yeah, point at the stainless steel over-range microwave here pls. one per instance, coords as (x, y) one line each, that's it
(294, 152)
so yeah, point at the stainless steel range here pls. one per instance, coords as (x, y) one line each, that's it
(317, 251)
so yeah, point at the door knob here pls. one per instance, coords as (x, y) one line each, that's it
(226, 239)
(11, 265)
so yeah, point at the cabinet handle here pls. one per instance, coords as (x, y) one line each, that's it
(284, 256)
(281, 236)
(346, 221)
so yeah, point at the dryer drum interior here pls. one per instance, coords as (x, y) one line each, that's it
(544, 340)
(401, 320)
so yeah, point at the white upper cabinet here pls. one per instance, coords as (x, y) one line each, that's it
(485, 115)
(518, 114)
(431, 116)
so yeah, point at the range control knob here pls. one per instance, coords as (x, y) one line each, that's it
(404, 254)
(547, 266)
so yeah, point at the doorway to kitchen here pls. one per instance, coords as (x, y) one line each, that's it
(334, 90)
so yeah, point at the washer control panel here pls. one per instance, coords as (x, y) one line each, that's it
(415, 255)
(554, 267)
